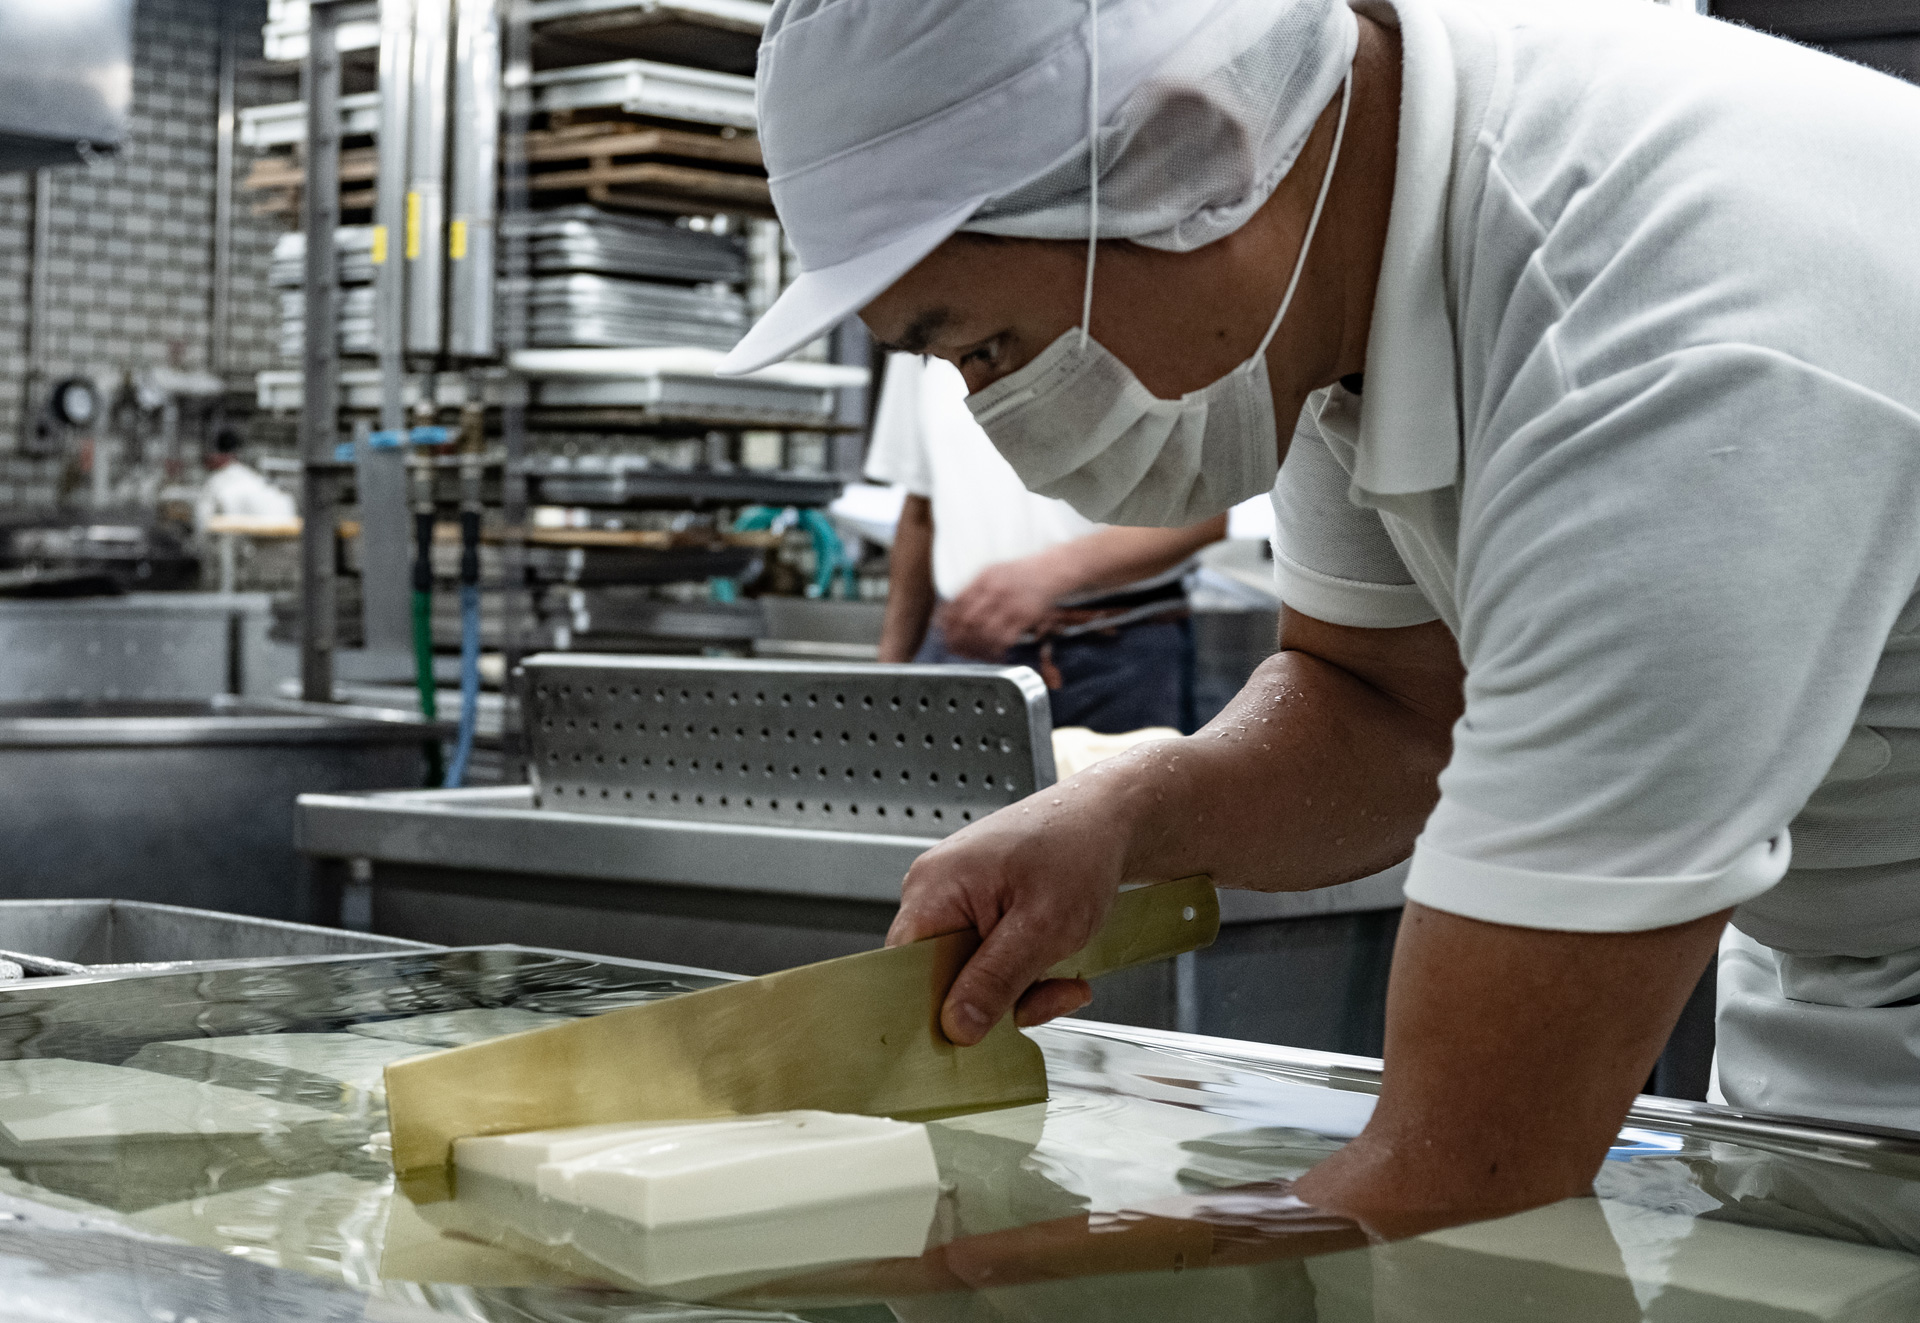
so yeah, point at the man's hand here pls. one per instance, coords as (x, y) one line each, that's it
(1321, 771)
(1035, 880)
(1002, 603)
(1017, 597)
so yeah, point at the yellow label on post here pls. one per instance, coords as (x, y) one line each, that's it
(456, 239)
(413, 226)
(379, 245)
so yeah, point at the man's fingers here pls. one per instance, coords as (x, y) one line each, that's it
(1051, 999)
(1000, 972)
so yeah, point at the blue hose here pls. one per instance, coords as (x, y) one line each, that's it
(469, 684)
(469, 647)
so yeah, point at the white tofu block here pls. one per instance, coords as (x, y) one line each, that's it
(458, 1028)
(743, 1166)
(56, 1101)
(519, 1157)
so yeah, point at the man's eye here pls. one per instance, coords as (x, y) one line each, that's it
(986, 355)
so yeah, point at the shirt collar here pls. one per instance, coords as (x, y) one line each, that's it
(1409, 435)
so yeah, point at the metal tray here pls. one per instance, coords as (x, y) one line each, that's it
(920, 750)
(638, 247)
(97, 936)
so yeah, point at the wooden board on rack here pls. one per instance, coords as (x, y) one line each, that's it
(613, 163)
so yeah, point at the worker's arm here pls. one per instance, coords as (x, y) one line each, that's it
(1321, 770)
(909, 582)
(1015, 597)
(1512, 1053)
(1512, 1056)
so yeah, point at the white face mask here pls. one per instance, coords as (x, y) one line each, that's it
(1077, 425)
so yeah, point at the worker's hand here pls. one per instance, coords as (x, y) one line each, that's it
(1002, 603)
(1035, 880)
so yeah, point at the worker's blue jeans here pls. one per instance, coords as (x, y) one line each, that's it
(1111, 680)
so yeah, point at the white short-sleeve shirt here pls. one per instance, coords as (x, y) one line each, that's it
(1641, 424)
(926, 441)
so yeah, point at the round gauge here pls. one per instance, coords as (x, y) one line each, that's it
(75, 402)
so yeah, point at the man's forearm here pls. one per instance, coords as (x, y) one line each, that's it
(1308, 778)
(910, 593)
(1112, 557)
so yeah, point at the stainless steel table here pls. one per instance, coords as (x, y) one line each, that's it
(463, 866)
(1149, 1188)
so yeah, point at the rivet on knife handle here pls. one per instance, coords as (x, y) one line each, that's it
(1147, 924)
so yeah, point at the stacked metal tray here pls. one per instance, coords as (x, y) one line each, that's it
(579, 308)
(287, 273)
(587, 239)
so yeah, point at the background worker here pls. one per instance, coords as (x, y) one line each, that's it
(982, 570)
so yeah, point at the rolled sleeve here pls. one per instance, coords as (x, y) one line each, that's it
(1583, 903)
(1332, 559)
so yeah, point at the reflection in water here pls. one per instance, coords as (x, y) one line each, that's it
(241, 1111)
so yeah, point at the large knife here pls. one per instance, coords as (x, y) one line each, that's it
(857, 1034)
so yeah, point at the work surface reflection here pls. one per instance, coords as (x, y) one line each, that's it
(213, 1143)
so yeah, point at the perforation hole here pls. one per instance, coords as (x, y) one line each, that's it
(760, 697)
(605, 793)
(685, 694)
(823, 773)
(733, 698)
(953, 705)
(628, 794)
(979, 705)
(962, 778)
(925, 702)
(908, 811)
(839, 700)
(866, 701)
(660, 695)
(966, 815)
(939, 815)
(786, 700)
(621, 760)
(900, 740)
(819, 736)
(927, 740)
(894, 702)
(989, 779)
(933, 778)
(813, 700)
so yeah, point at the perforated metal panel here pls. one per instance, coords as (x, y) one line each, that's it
(899, 750)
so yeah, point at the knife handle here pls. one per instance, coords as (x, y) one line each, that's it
(1147, 924)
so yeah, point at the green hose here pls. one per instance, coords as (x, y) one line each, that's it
(423, 677)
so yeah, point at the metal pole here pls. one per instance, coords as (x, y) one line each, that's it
(390, 209)
(40, 240)
(320, 408)
(220, 332)
(518, 98)
(426, 228)
(473, 182)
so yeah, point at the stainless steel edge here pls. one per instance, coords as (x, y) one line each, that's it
(1706, 1119)
(398, 828)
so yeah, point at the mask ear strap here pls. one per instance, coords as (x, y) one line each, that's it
(1313, 222)
(1093, 163)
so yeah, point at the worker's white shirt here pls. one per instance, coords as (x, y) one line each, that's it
(1641, 424)
(925, 440)
(237, 489)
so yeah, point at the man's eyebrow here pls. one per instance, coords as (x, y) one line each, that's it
(919, 332)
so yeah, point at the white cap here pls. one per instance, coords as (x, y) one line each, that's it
(886, 124)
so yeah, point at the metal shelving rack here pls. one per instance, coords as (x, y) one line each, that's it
(579, 44)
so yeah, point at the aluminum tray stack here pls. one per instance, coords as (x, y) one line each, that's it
(632, 247)
(605, 281)
(287, 273)
(598, 311)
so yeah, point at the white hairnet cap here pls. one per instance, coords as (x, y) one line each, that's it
(888, 125)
